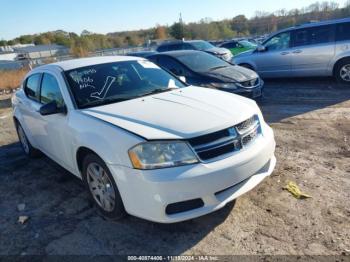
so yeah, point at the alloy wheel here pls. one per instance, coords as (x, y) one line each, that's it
(345, 73)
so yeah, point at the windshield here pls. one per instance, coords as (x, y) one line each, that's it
(202, 45)
(202, 62)
(247, 44)
(115, 82)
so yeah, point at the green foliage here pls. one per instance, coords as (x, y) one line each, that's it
(177, 31)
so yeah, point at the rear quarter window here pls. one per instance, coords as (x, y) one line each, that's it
(175, 47)
(322, 34)
(163, 48)
(313, 35)
(343, 32)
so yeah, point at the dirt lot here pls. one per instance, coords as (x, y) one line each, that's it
(311, 119)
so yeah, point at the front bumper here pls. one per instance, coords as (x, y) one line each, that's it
(254, 92)
(147, 193)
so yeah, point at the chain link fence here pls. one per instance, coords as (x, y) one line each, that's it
(34, 62)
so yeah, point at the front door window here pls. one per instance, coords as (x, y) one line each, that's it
(278, 42)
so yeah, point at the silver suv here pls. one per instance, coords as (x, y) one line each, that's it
(314, 49)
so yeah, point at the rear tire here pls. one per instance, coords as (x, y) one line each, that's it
(342, 71)
(102, 188)
(27, 147)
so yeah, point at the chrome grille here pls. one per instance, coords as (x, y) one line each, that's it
(250, 137)
(246, 125)
(224, 142)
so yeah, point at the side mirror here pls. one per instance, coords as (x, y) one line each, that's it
(52, 108)
(182, 78)
(261, 48)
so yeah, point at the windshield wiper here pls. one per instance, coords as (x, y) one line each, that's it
(104, 102)
(116, 100)
(157, 91)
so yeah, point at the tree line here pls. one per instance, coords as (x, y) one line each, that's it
(239, 26)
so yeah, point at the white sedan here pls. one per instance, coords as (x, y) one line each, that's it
(143, 141)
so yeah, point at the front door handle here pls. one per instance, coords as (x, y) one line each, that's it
(284, 53)
(297, 51)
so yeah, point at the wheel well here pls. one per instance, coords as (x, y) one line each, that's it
(81, 154)
(246, 65)
(15, 120)
(338, 62)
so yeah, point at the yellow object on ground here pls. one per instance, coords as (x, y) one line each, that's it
(295, 191)
(23, 219)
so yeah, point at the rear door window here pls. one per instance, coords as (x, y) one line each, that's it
(187, 46)
(301, 37)
(343, 32)
(229, 45)
(313, 36)
(32, 87)
(171, 65)
(162, 48)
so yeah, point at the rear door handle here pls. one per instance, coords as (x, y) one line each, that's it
(297, 51)
(284, 53)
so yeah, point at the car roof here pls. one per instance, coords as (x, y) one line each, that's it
(82, 62)
(181, 41)
(194, 41)
(178, 53)
(231, 41)
(314, 24)
(142, 52)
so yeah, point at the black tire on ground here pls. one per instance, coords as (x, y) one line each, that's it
(27, 147)
(118, 211)
(340, 71)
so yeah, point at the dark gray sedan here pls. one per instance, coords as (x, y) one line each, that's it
(202, 69)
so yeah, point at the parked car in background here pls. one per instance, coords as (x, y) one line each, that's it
(315, 49)
(200, 45)
(237, 47)
(143, 54)
(217, 42)
(141, 140)
(202, 69)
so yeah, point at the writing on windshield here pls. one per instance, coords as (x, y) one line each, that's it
(104, 83)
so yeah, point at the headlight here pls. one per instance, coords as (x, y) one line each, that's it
(229, 55)
(225, 85)
(161, 154)
(249, 84)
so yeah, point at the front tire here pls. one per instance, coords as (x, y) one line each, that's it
(342, 72)
(27, 147)
(102, 188)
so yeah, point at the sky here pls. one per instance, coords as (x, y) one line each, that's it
(19, 17)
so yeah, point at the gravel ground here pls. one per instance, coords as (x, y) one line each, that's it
(311, 120)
